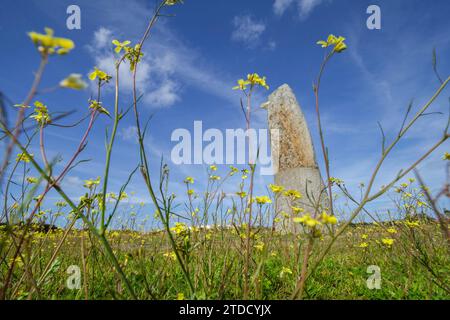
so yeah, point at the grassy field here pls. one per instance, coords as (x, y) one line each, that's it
(415, 266)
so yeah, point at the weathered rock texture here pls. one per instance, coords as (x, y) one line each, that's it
(297, 166)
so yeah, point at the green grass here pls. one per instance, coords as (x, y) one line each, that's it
(215, 266)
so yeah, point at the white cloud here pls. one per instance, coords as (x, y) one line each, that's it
(129, 133)
(165, 95)
(247, 30)
(272, 45)
(149, 81)
(168, 66)
(102, 37)
(280, 6)
(305, 7)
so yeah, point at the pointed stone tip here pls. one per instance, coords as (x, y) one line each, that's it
(284, 86)
(282, 91)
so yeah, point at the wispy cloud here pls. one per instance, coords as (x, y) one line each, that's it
(247, 30)
(305, 7)
(280, 6)
(161, 90)
(167, 67)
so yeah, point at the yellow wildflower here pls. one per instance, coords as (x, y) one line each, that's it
(328, 218)
(73, 81)
(91, 183)
(101, 75)
(363, 245)
(337, 42)
(233, 170)
(285, 271)
(336, 181)
(179, 228)
(259, 246)
(275, 188)
(391, 230)
(189, 180)
(180, 296)
(412, 224)
(97, 106)
(171, 3)
(24, 157)
(32, 180)
(294, 194)
(263, 200)
(48, 44)
(170, 255)
(297, 210)
(307, 220)
(41, 113)
(388, 241)
(120, 45)
(242, 194)
(242, 85)
(253, 79)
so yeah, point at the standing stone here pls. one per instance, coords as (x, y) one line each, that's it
(294, 153)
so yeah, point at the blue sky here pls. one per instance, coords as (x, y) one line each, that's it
(193, 60)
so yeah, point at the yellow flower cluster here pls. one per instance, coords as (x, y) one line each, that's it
(297, 210)
(327, 219)
(73, 81)
(97, 106)
(311, 222)
(293, 194)
(24, 157)
(263, 200)
(41, 113)
(242, 194)
(101, 75)
(48, 44)
(91, 183)
(307, 220)
(32, 180)
(388, 242)
(259, 246)
(275, 188)
(189, 180)
(120, 45)
(233, 170)
(172, 2)
(337, 42)
(336, 181)
(391, 230)
(252, 80)
(133, 54)
(179, 228)
(446, 156)
(170, 255)
(412, 224)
